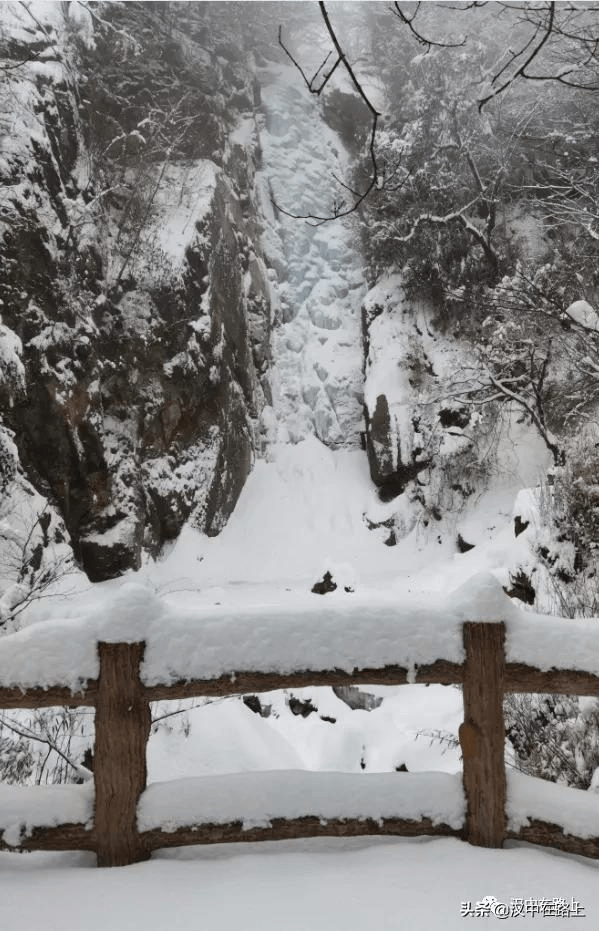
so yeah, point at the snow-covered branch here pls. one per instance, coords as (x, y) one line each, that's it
(455, 216)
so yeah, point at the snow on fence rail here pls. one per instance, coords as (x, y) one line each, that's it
(132, 652)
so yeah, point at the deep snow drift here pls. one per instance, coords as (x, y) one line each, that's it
(318, 885)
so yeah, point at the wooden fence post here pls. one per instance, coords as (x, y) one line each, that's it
(122, 731)
(482, 735)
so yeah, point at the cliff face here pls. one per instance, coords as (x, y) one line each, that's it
(136, 289)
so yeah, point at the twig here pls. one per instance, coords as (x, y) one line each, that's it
(317, 90)
(28, 734)
(429, 43)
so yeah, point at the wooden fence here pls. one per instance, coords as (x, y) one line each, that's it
(122, 727)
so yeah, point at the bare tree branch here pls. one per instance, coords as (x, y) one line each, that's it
(429, 43)
(536, 415)
(551, 21)
(521, 71)
(29, 734)
(376, 179)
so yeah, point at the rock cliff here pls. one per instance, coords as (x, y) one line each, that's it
(144, 354)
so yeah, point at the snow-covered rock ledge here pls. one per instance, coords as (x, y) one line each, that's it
(256, 799)
(340, 631)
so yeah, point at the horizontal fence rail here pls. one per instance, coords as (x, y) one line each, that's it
(122, 707)
(518, 677)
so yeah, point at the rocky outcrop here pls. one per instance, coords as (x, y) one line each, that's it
(419, 439)
(396, 370)
(384, 448)
(143, 312)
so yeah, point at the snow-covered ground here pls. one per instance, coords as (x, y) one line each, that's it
(414, 726)
(318, 885)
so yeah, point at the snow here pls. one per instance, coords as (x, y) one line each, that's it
(321, 885)
(244, 133)
(12, 371)
(184, 198)
(183, 195)
(217, 737)
(575, 811)
(220, 736)
(319, 495)
(526, 506)
(256, 799)
(582, 312)
(544, 641)
(23, 808)
(347, 631)
(387, 343)
(468, 475)
(21, 513)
